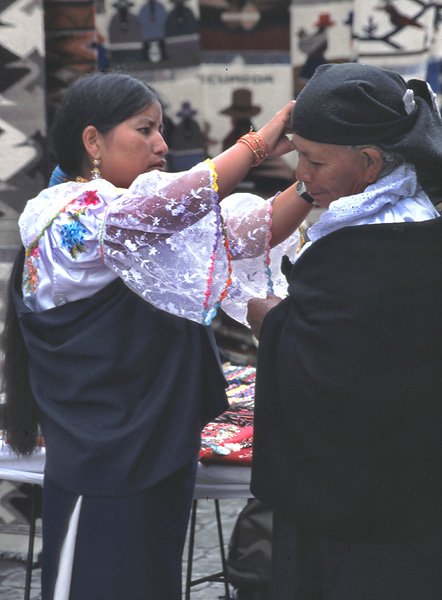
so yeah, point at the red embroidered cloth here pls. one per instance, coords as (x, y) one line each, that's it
(229, 438)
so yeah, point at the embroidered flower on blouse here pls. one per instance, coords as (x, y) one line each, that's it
(81, 204)
(90, 197)
(239, 246)
(72, 236)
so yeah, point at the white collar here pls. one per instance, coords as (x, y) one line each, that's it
(399, 189)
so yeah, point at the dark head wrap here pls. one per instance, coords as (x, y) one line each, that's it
(354, 104)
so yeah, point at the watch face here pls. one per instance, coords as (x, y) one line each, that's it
(302, 191)
(300, 188)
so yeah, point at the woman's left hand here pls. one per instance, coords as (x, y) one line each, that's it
(274, 131)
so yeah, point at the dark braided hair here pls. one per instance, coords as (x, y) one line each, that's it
(20, 411)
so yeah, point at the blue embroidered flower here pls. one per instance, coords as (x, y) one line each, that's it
(72, 236)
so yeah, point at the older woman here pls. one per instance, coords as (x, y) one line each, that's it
(348, 449)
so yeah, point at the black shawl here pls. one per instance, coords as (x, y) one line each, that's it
(349, 385)
(123, 388)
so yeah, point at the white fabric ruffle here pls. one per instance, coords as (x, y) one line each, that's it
(395, 198)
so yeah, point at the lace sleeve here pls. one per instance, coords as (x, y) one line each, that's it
(255, 267)
(183, 254)
(164, 238)
(163, 203)
(247, 224)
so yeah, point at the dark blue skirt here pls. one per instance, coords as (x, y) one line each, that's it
(126, 547)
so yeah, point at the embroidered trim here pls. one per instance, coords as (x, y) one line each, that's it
(213, 175)
(209, 315)
(302, 239)
(30, 271)
(101, 234)
(228, 283)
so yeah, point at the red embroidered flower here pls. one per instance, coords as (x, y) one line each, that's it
(90, 197)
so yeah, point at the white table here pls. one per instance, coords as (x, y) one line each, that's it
(212, 481)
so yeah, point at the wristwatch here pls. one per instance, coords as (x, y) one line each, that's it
(302, 191)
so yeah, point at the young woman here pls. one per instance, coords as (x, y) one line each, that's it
(120, 383)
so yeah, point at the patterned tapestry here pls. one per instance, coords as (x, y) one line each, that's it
(42, 49)
(222, 66)
(22, 101)
(403, 35)
(71, 45)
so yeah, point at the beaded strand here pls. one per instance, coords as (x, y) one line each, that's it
(228, 283)
(268, 239)
(208, 315)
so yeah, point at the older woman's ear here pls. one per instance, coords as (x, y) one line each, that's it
(374, 163)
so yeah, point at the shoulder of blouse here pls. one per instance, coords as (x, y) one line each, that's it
(40, 212)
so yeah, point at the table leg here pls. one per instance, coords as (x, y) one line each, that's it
(30, 555)
(190, 549)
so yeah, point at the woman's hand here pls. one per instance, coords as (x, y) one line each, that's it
(257, 308)
(274, 131)
(234, 163)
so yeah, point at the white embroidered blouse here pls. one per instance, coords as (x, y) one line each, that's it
(165, 237)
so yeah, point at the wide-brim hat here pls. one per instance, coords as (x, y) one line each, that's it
(324, 20)
(241, 106)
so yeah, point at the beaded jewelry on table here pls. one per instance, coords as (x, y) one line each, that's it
(229, 438)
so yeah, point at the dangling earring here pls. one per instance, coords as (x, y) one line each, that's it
(95, 171)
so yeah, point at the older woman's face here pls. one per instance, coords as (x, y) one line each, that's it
(330, 171)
